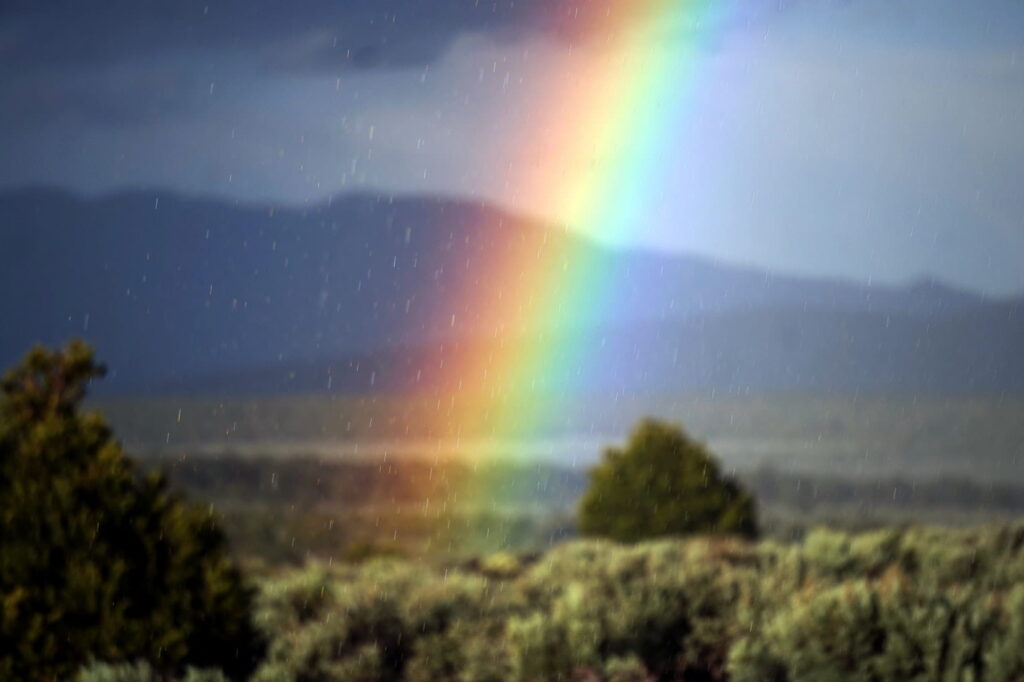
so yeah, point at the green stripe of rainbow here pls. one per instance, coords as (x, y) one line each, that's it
(623, 112)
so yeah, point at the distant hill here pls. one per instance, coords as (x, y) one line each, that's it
(196, 295)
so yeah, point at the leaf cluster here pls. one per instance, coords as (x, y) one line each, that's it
(96, 561)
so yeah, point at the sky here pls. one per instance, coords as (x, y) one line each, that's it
(878, 140)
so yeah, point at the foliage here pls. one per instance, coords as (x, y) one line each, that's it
(885, 606)
(285, 510)
(813, 435)
(141, 671)
(663, 483)
(105, 569)
(96, 562)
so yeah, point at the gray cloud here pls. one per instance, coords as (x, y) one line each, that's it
(875, 138)
(318, 34)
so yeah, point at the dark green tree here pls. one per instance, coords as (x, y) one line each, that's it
(663, 483)
(96, 560)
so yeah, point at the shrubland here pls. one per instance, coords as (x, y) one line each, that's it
(918, 603)
(97, 560)
(285, 510)
(108, 576)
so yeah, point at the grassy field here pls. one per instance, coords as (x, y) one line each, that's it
(285, 510)
(927, 437)
(304, 476)
(888, 606)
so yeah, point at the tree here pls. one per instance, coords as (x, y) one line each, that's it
(663, 483)
(98, 562)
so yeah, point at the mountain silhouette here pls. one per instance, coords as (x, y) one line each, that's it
(200, 295)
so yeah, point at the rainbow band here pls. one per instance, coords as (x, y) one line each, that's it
(623, 115)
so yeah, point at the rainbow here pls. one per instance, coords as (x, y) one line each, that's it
(622, 113)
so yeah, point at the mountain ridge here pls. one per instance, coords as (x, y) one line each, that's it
(921, 282)
(172, 289)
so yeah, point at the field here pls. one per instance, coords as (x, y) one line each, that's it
(917, 437)
(304, 476)
(889, 606)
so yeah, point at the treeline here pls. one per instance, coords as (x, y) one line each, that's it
(310, 481)
(810, 492)
(106, 574)
(888, 606)
(285, 510)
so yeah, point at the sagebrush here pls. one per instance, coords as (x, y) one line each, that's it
(897, 605)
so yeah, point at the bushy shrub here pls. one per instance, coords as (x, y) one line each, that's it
(376, 620)
(912, 604)
(626, 669)
(885, 606)
(672, 605)
(871, 630)
(95, 561)
(141, 672)
(664, 611)
(123, 672)
(1004, 657)
(663, 483)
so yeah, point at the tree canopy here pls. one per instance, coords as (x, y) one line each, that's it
(663, 483)
(96, 560)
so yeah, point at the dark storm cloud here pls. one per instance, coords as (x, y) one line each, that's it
(122, 62)
(890, 127)
(106, 97)
(125, 62)
(318, 34)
